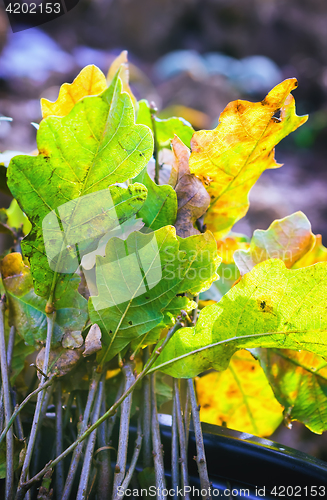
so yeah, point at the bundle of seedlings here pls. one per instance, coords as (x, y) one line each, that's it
(125, 282)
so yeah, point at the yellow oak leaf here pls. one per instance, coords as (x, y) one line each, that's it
(317, 254)
(240, 397)
(90, 81)
(228, 245)
(122, 62)
(230, 158)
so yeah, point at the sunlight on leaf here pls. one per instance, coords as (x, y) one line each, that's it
(299, 381)
(121, 63)
(167, 128)
(239, 398)
(271, 306)
(160, 207)
(139, 278)
(287, 239)
(230, 158)
(229, 244)
(90, 81)
(317, 254)
(95, 145)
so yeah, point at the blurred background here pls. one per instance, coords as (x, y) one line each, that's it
(191, 57)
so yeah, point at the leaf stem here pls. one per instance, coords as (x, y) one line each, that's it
(50, 326)
(79, 443)
(7, 407)
(105, 475)
(124, 429)
(181, 433)
(146, 417)
(187, 418)
(86, 469)
(136, 453)
(59, 441)
(201, 457)
(159, 468)
(19, 408)
(156, 353)
(10, 347)
(113, 418)
(174, 450)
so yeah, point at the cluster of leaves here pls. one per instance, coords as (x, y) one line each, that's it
(119, 255)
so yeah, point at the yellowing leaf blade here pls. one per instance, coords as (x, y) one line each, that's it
(299, 381)
(288, 239)
(90, 81)
(232, 157)
(121, 64)
(239, 398)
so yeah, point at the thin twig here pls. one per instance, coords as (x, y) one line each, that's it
(79, 447)
(113, 418)
(29, 452)
(19, 408)
(182, 447)
(125, 413)
(136, 453)
(187, 418)
(10, 347)
(86, 469)
(156, 353)
(159, 468)
(146, 415)
(59, 441)
(7, 406)
(37, 445)
(104, 474)
(174, 450)
(200, 457)
(18, 423)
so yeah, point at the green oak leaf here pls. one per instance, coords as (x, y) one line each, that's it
(160, 207)
(167, 128)
(271, 306)
(138, 279)
(96, 145)
(299, 381)
(27, 310)
(288, 239)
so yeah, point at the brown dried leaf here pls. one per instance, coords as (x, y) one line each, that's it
(93, 340)
(193, 199)
(72, 340)
(61, 360)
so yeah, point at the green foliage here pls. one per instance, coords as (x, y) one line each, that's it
(299, 381)
(143, 276)
(272, 306)
(27, 310)
(165, 129)
(96, 145)
(124, 259)
(160, 207)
